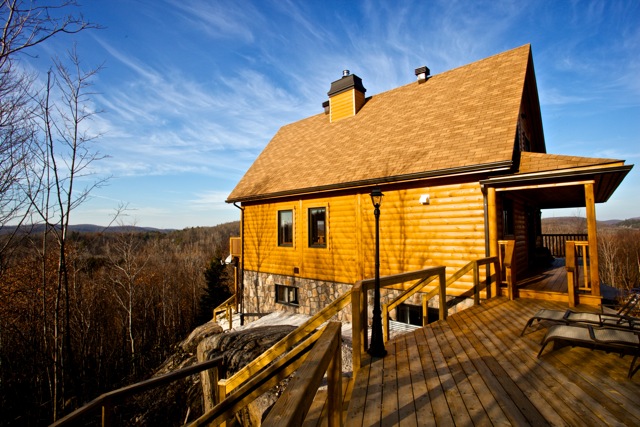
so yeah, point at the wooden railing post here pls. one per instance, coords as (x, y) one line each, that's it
(356, 327)
(570, 265)
(107, 414)
(425, 310)
(497, 283)
(334, 389)
(385, 322)
(476, 283)
(443, 295)
(510, 269)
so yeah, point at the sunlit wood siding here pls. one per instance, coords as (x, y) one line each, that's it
(448, 231)
(346, 104)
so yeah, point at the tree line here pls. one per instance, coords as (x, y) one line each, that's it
(131, 297)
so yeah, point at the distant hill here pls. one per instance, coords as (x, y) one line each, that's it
(87, 228)
(571, 224)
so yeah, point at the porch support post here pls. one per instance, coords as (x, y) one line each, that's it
(590, 206)
(493, 233)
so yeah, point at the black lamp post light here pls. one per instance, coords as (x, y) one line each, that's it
(376, 349)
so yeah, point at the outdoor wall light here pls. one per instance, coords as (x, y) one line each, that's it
(376, 349)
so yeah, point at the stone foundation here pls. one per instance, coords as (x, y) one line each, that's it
(314, 295)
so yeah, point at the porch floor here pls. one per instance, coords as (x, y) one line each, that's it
(550, 279)
(475, 369)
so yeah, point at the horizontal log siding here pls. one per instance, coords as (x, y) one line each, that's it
(449, 231)
(520, 229)
(342, 105)
(262, 252)
(338, 261)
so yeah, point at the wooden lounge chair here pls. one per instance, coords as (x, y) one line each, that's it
(625, 342)
(621, 319)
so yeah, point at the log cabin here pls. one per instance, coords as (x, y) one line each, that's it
(460, 158)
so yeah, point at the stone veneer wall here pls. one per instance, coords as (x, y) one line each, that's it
(314, 295)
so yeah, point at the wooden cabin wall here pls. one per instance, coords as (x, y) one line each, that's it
(520, 229)
(448, 231)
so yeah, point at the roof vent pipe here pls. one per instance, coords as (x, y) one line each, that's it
(345, 73)
(422, 73)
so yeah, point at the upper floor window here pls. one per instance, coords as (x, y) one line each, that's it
(317, 228)
(285, 228)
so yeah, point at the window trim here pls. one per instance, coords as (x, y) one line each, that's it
(285, 300)
(281, 234)
(310, 228)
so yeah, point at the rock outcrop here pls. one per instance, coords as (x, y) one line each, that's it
(182, 400)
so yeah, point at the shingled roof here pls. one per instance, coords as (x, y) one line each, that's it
(463, 120)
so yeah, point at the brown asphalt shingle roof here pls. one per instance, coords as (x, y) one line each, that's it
(544, 162)
(462, 118)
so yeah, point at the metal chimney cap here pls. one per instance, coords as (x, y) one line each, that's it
(345, 73)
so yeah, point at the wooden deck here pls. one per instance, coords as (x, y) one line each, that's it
(552, 279)
(475, 369)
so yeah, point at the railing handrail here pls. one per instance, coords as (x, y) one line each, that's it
(292, 406)
(279, 348)
(423, 282)
(556, 242)
(109, 399)
(359, 304)
(258, 384)
(226, 307)
(222, 307)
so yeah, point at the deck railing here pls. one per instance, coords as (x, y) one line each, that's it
(359, 333)
(422, 283)
(261, 381)
(508, 266)
(577, 253)
(226, 386)
(557, 243)
(293, 405)
(226, 307)
(108, 401)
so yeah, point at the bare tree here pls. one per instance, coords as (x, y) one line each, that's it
(25, 24)
(65, 157)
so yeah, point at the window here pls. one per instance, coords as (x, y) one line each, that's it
(317, 228)
(409, 314)
(285, 228)
(507, 217)
(286, 295)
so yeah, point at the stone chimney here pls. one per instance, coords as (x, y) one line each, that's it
(346, 97)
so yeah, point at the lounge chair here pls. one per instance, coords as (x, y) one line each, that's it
(626, 342)
(619, 320)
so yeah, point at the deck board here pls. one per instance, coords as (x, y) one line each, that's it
(475, 369)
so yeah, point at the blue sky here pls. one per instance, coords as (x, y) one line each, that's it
(192, 91)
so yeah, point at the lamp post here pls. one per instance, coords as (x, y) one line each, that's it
(376, 349)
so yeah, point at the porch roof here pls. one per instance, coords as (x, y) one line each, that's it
(539, 173)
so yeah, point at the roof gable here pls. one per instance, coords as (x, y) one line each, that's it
(461, 120)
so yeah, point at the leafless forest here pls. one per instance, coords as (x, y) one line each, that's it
(131, 296)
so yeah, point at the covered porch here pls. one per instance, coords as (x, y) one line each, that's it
(514, 204)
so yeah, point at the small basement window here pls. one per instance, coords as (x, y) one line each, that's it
(317, 228)
(286, 295)
(285, 228)
(409, 314)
